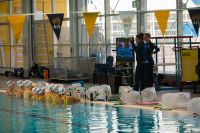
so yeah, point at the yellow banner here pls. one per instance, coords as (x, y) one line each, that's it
(162, 18)
(90, 19)
(189, 60)
(17, 23)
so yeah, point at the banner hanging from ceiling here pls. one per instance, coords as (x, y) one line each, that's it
(195, 17)
(17, 23)
(126, 20)
(56, 23)
(90, 19)
(162, 18)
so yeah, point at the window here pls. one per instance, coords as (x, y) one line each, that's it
(47, 46)
(160, 4)
(11, 53)
(95, 6)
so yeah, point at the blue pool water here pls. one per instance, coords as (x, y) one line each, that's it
(23, 116)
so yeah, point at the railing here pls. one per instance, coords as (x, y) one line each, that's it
(72, 68)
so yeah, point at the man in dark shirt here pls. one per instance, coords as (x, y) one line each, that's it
(152, 49)
(141, 58)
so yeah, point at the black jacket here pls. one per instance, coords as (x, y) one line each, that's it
(141, 52)
(152, 49)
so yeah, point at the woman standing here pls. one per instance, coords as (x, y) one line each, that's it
(152, 49)
(141, 58)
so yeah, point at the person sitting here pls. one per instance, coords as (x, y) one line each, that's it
(11, 88)
(20, 90)
(28, 89)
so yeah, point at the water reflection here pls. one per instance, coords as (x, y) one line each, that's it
(33, 117)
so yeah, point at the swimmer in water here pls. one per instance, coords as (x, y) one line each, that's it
(20, 89)
(38, 94)
(11, 88)
(60, 99)
(28, 89)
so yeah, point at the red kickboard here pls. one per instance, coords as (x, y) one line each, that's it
(148, 103)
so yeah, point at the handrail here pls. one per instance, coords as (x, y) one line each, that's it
(166, 64)
(167, 37)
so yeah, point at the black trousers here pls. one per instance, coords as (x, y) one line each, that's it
(150, 78)
(141, 76)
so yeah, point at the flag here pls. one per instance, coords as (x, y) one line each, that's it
(195, 17)
(162, 18)
(56, 23)
(126, 20)
(90, 19)
(17, 23)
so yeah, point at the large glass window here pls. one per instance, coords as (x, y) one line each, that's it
(191, 3)
(121, 5)
(188, 29)
(116, 29)
(96, 44)
(11, 52)
(166, 54)
(96, 5)
(160, 4)
(47, 46)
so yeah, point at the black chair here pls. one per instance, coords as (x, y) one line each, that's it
(101, 71)
(110, 60)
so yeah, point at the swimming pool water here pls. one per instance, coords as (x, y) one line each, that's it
(24, 116)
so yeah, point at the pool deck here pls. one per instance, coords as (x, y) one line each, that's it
(4, 79)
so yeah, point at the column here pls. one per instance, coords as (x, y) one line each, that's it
(74, 27)
(179, 5)
(107, 27)
(27, 36)
(141, 6)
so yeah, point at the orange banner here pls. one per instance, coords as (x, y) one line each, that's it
(90, 19)
(17, 23)
(162, 18)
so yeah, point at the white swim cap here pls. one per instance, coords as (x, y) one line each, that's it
(20, 83)
(10, 83)
(34, 89)
(51, 87)
(27, 83)
(55, 88)
(61, 89)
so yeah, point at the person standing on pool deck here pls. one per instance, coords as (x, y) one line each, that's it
(141, 51)
(152, 49)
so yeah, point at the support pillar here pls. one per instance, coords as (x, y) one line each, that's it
(73, 4)
(142, 6)
(27, 36)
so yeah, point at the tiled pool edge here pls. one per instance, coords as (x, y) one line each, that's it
(2, 91)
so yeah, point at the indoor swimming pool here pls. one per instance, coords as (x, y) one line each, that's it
(24, 116)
